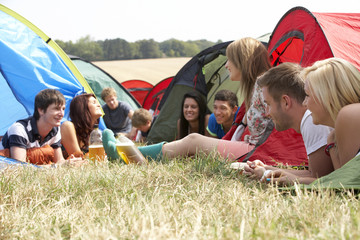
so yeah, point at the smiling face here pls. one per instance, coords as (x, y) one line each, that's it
(318, 112)
(53, 114)
(191, 110)
(112, 102)
(94, 108)
(235, 74)
(223, 112)
(273, 109)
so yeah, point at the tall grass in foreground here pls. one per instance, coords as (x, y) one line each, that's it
(198, 198)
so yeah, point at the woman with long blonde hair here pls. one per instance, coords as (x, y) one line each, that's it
(333, 89)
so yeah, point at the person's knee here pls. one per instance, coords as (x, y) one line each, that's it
(193, 137)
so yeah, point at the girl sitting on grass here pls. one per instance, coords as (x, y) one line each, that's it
(85, 112)
(194, 115)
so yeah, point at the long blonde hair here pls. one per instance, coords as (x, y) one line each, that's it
(334, 82)
(252, 59)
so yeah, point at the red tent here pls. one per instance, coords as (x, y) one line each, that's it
(304, 37)
(153, 98)
(138, 89)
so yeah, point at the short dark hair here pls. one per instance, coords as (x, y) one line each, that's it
(284, 79)
(45, 98)
(228, 96)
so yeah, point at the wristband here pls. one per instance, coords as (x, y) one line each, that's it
(265, 174)
(328, 147)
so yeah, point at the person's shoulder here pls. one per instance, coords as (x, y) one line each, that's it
(351, 109)
(212, 119)
(17, 128)
(22, 124)
(349, 113)
(67, 125)
(105, 108)
(124, 105)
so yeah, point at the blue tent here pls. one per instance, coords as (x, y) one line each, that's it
(29, 62)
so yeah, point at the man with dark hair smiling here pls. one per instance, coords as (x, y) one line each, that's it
(225, 110)
(38, 131)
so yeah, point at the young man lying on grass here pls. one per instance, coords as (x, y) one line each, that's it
(37, 139)
(283, 91)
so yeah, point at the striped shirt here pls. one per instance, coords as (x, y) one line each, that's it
(25, 134)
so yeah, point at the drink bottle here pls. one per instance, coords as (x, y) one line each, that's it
(96, 148)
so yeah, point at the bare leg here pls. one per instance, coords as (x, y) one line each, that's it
(189, 145)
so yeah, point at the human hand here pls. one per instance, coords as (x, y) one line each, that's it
(255, 173)
(281, 178)
(255, 163)
(76, 161)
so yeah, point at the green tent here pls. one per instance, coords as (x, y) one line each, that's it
(98, 79)
(204, 73)
(346, 177)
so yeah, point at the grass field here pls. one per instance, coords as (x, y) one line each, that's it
(150, 70)
(190, 198)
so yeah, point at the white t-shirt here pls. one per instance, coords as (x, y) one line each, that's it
(314, 136)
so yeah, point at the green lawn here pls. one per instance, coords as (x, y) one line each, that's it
(198, 198)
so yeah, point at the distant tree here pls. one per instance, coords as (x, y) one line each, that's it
(191, 49)
(118, 49)
(203, 44)
(85, 48)
(68, 47)
(135, 50)
(149, 49)
(89, 49)
(173, 48)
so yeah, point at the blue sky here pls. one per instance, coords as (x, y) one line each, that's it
(160, 20)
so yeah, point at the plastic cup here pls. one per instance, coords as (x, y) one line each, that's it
(97, 152)
(130, 153)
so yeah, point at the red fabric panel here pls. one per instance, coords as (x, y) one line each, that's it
(156, 92)
(138, 89)
(289, 51)
(285, 147)
(136, 84)
(139, 95)
(315, 45)
(238, 119)
(342, 31)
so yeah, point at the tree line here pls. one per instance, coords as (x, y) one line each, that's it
(120, 49)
